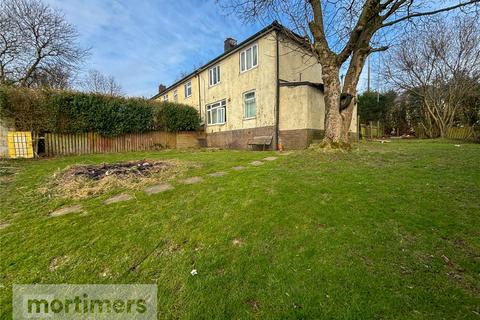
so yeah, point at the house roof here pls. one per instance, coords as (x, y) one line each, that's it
(273, 26)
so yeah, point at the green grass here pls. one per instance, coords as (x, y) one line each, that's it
(388, 231)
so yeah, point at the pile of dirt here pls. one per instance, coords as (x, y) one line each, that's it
(82, 181)
(124, 170)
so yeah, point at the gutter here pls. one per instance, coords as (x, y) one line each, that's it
(319, 86)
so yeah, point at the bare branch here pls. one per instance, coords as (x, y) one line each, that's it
(429, 13)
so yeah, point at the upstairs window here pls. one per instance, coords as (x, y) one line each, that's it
(216, 112)
(175, 95)
(249, 105)
(214, 75)
(249, 58)
(165, 97)
(188, 89)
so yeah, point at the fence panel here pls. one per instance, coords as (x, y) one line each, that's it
(85, 143)
(371, 130)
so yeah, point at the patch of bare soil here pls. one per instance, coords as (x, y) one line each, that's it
(83, 181)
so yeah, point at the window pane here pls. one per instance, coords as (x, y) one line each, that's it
(242, 61)
(209, 117)
(221, 118)
(250, 105)
(210, 77)
(254, 55)
(249, 58)
(218, 74)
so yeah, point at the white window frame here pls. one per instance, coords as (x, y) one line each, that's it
(188, 89)
(165, 97)
(216, 107)
(175, 95)
(214, 76)
(245, 104)
(249, 52)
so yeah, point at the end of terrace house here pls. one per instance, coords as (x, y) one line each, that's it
(266, 91)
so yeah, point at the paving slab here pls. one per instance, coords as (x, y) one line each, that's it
(256, 163)
(66, 210)
(238, 168)
(270, 158)
(158, 188)
(217, 174)
(118, 198)
(192, 180)
(4, 225)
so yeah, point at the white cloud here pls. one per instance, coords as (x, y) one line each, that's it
(144, 43)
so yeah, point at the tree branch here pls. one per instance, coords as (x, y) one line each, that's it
(429, 13)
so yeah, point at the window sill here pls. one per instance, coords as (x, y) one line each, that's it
(213, 85)
(216, 124)
(250, 118)
(252, 68)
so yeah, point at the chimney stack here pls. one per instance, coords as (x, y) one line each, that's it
(161, 88)
(229, 44)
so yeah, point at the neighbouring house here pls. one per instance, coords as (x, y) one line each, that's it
(265, 91)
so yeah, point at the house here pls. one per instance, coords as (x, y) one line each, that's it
(265, 90)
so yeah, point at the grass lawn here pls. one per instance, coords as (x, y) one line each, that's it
(388, 231)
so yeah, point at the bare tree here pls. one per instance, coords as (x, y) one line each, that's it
(36, 43)
(97, 82)
(440, 68)
(341, 34)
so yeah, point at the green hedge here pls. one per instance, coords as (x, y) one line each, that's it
(75, 112)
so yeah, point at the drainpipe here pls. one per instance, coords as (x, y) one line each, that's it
(277, 93)
(200, 102)
(199, 95)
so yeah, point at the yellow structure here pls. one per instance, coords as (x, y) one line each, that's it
(20, 144)
(268, 85)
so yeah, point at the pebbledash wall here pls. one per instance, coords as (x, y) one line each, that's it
(301, 102)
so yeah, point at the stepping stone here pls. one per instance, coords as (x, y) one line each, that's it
(118, 198)
(158, 188)
(238, 168)
(192, 180)
(66, 210)
(4, 225)
(256, 163)
(270, 158)
(283, 153)
(217, 174)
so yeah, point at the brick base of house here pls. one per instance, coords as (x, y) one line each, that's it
(238, 139)
(289, 139)
(299, 139)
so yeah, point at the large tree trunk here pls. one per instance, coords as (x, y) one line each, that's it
(333, 119)
(338, 117)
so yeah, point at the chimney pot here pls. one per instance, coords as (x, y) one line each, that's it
(229, 44)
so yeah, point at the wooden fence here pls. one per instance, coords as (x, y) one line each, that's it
(87, 143)
(371, 130)
(458, 133)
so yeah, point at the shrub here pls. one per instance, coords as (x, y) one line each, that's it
(176, 117)
(75, 112)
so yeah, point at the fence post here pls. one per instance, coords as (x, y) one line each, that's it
(358, 128)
